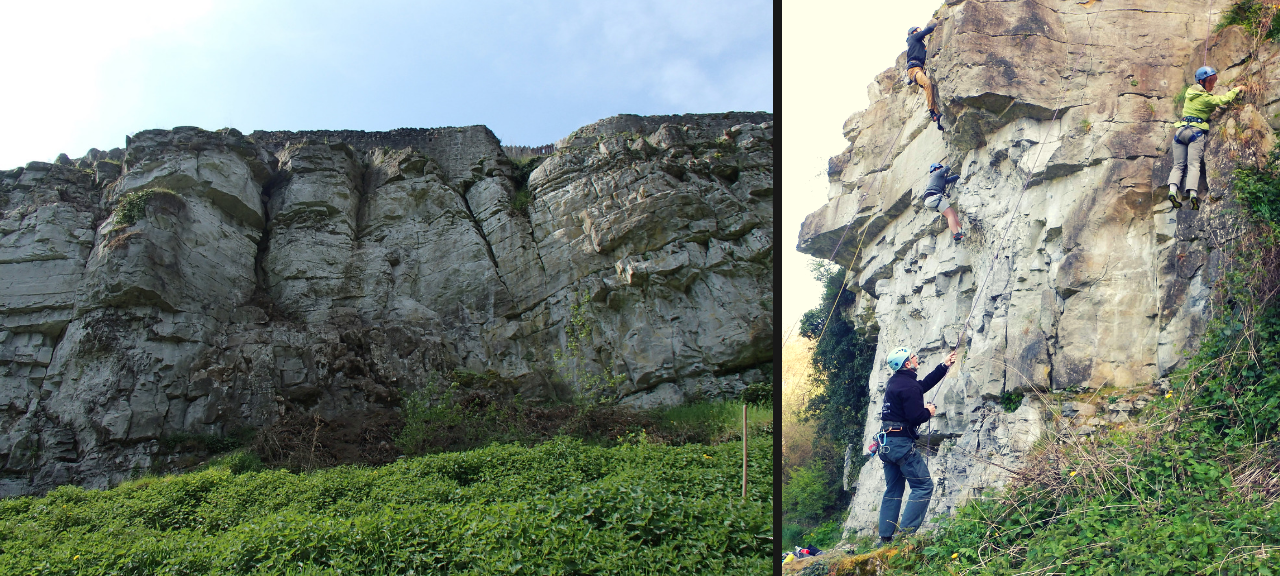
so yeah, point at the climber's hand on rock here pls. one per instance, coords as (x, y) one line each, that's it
(931, 408)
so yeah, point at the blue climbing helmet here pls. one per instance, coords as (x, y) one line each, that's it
(912, 30)
(1204, 72)
(899, 357)
(934, 166)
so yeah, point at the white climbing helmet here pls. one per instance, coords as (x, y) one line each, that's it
(899, 357)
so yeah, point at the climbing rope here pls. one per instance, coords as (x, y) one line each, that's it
(1018, 204)
(893, 144)
(1208, 24)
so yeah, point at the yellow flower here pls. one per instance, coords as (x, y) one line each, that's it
(1073, 473)
(956, 555)
(77, 557)
(1169, 395)
(705, 456)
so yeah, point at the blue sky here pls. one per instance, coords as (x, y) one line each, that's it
(85, 74)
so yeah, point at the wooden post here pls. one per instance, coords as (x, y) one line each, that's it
(744, 451)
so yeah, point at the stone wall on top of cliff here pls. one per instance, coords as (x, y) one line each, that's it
(326, 273)
(1076, 276)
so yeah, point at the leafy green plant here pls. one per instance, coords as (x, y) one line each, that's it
(760, 393)
(842, 362)
(132, 207)
(806, 495)
(1011, 400)
(1258, 189)
(1256, 16)
(572, 360)
(562, 507)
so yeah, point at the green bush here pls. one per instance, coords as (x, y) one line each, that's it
(132, 207)
(1258, 189)
(759, 393)
(1010, 401)
(842, 361)
(806, 495)
(1252, 15)
(825, 535)
(562, 507)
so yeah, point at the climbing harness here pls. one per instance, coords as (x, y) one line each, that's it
(1188, 134)
(878, 439)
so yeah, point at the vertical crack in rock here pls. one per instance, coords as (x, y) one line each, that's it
(488, 247)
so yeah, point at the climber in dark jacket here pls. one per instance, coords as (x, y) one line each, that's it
(915, 67)
(901, 413)
(935, 197)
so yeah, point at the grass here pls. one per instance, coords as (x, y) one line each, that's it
(441, 422)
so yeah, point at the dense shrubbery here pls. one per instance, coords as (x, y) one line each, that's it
(1259, 17)
(1194, 489)
(842, 361)
(561, 507)
(814, 500)
(438, 421)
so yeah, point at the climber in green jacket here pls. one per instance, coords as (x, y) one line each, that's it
(1191, 132)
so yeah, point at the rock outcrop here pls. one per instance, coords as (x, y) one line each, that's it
(1076, 274)
(203, 282)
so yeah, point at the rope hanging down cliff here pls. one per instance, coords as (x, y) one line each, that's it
(893, 144)
(1025, 183)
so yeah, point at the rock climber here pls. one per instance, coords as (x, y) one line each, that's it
(935, 197)
(1191, 132)
(915, 67)
(904, 409)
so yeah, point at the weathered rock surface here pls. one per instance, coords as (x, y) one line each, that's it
(328, 272)
(1076, 273)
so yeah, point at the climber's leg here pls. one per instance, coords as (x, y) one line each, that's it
(953, 222)
(895, 483)
(1179, 170)
(919, 76)
(1195, 162)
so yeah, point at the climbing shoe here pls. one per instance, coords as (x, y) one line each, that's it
(885, 542)
(958, 236)
(1195, 203)
(1173, 199)
(936, 117)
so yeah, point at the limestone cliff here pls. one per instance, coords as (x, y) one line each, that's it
(1076, 275)
(206, 282)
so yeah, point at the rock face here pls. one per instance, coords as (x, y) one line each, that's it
(1076, 274)
(203, 282)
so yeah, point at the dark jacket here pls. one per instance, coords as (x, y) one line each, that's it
(915, 46)
(904, 399)
(938, 181)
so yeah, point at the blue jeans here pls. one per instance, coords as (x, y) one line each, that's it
(903, 465)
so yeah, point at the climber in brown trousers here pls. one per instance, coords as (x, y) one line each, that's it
(915, 67)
